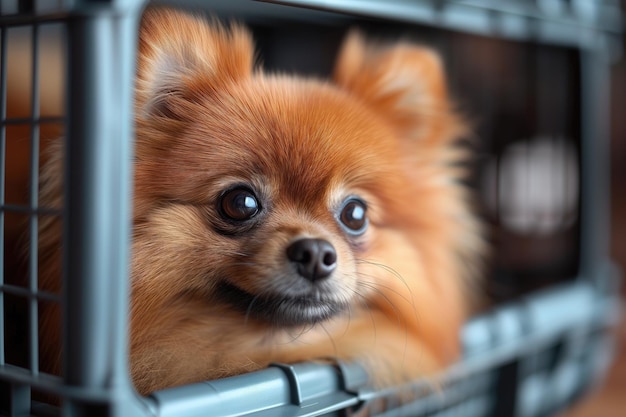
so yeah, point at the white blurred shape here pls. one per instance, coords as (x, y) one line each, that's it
(534, 186)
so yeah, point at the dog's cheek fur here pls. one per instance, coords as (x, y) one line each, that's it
(175, 324)
(179, 331)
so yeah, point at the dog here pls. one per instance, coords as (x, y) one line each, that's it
(278, 218)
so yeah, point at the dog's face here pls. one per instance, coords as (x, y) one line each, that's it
(267, 206)
(272, 203)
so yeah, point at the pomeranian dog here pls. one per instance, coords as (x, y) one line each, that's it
(285, 219)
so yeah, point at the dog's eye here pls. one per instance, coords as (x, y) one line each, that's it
(353, 216)
(239, 204)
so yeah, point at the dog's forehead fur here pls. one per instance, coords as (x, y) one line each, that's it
(306, 137)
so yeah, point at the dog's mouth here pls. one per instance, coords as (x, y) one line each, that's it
(282, 310)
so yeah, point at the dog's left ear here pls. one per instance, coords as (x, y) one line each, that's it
(404, 83)
(183, 57)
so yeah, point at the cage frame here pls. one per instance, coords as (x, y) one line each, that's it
(99, 136)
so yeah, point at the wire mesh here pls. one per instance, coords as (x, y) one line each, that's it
(24, 125)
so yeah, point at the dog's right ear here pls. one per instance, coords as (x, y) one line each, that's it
(404, 83)
(183, 57)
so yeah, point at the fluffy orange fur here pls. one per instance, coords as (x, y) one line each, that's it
(382, 129)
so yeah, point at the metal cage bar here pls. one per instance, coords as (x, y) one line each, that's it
(566, 23)
(3, 131)
(595, 94)
(34, 203)
(101, 50)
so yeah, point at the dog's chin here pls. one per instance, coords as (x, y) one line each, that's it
(281, 310)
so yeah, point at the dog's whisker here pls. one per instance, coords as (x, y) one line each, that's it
(378, 285)
(248, 264)
(363, 300)
(388, 269)
(388, 301)
(330, 338)
(398, 316)
(249, 310)
(411, 300)
(301, 331)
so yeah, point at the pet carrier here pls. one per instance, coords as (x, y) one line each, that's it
(533, 74)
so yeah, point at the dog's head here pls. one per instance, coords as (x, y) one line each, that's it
(280, 202)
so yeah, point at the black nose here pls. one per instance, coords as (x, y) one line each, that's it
(314, 258)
